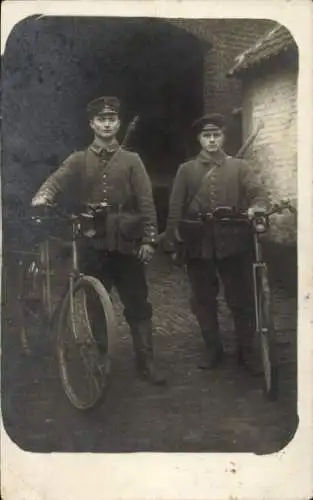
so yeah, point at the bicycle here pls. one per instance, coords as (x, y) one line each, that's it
(23, 258)
(264, 322)
(83, 319)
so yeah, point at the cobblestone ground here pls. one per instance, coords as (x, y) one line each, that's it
(223, 410)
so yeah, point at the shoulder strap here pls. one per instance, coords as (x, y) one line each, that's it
(204, 179)
(88, 170)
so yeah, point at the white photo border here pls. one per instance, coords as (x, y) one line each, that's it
(287, 474)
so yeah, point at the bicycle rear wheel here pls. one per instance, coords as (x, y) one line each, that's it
(267, 340)
(85, 325)
(32, 314)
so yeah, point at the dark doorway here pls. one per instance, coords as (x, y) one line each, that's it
(234, 134)
(54, 66)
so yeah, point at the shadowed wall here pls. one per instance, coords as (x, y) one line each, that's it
(54, 66)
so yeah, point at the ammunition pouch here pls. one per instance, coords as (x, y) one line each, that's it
(118, 230)
(129, 231)
(203, 236)
(131, 226)
(99, 223)
(191, 232)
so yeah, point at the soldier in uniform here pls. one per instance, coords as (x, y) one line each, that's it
(106, 172)
(211, 180)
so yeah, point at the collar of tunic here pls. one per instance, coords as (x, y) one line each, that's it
(100, 150)
(216, 159)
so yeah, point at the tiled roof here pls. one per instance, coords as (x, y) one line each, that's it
(275, 41)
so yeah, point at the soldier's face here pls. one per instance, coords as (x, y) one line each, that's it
(105, 126)
(211, 139)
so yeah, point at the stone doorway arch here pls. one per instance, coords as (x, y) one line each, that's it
(53, 66)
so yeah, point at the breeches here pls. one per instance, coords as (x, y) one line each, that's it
(236, 275)
(126, 273)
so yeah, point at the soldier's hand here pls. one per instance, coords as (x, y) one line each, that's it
(174, 257)
(145, 253)
(40, 200)
(256, 209)
(160, 240)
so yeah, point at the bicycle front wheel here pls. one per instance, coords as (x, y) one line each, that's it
(267, 340)
(85, 325)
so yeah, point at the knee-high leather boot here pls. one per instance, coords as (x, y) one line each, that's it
(143, 347)
(248, 352)
(209, 327)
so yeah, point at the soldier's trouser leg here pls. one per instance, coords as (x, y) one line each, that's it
(130, 281)
(95, 263)
(236, 274)
(204, 289)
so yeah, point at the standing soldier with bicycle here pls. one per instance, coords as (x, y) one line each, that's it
(213, 180)
(124, 239)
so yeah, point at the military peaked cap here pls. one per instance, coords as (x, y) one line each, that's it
(208, 121)
(103, 105)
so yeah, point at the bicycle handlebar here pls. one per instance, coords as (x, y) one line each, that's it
(230, 213)
(280, 207)
(95, 208)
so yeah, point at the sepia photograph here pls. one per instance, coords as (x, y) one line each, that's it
(149, 193)
(149, 276)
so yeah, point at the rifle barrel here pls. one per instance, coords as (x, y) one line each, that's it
(249, 141)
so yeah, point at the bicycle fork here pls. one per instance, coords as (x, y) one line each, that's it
(257, 273)
(46, 271)
(73, 274)
(80, 328)
(256, 286)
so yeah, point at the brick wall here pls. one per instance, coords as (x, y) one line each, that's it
(86, 60)
(228, 37)
(273, 99)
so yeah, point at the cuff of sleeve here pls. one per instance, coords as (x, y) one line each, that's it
(149, 241)
(169, 246)
(45, 193)
(150, 238)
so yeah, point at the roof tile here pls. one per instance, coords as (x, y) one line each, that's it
(271, 44)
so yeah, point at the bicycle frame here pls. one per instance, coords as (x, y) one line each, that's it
(43, 252)
(258, 224)
(74, 274)
(46, 270)
(43, 267)
(257, 265)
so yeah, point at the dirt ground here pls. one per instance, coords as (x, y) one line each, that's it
(198, 411)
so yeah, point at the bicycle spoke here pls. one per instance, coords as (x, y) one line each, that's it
(79, 317)
(29, 311)
(84, 360)
(86, 349)
(90, 369)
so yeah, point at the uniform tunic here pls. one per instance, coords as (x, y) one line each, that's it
(90, 177)
(231, 183)
(202, 185)
(116, 176)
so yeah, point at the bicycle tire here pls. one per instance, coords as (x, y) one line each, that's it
(267, 338)
(93, 346)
